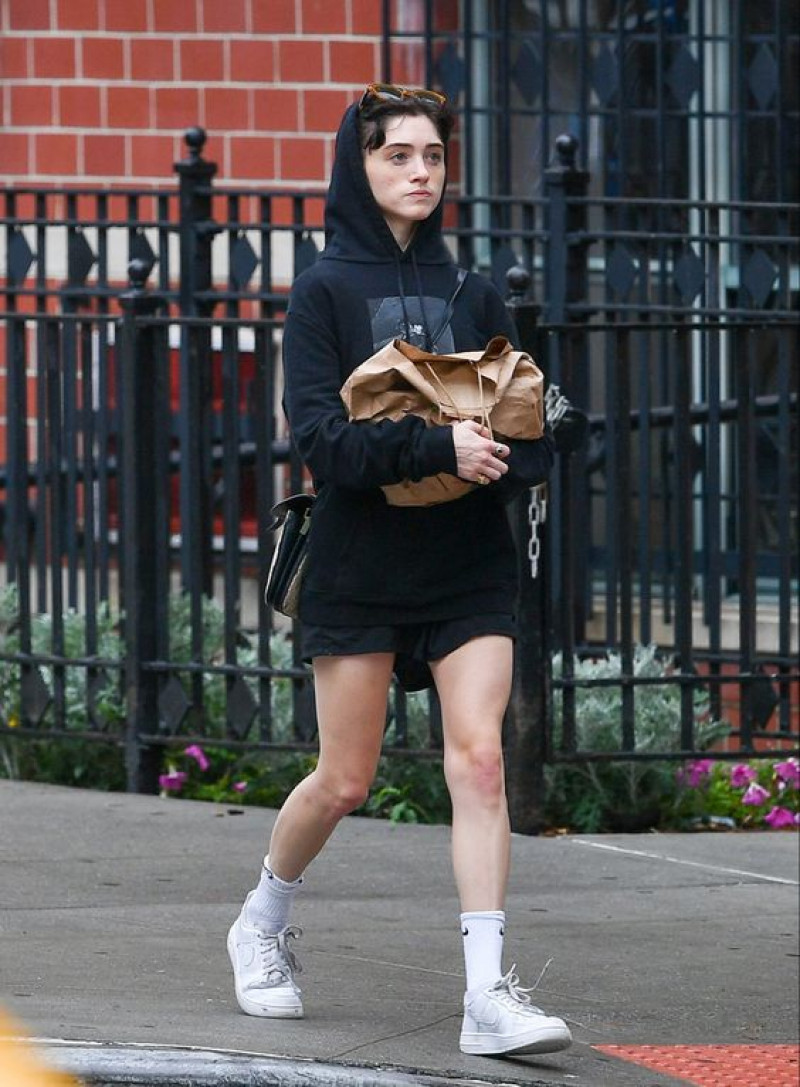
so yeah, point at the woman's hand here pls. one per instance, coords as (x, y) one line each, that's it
(479, 458)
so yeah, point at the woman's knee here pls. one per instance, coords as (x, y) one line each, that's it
(341, 793)
(478, 770)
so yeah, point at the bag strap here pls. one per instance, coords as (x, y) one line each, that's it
(448, 312)
(448, 395)
(297, 503)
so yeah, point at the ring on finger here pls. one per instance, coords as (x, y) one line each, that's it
(498, 449)
(483, 480)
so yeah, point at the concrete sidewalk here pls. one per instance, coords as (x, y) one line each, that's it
(114, 911)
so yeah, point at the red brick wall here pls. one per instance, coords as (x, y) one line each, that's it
(102, 90)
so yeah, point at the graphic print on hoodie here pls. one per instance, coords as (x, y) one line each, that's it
(410, 319)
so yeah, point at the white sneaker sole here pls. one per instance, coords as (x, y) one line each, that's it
(283, 1003)
(535, 1040)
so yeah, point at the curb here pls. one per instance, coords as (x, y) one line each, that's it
(109, 1065)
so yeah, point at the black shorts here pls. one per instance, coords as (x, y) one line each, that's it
(414, 644)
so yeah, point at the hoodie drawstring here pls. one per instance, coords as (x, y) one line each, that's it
(429, 345)
(402, 294)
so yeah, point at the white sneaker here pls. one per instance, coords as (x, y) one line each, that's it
(501, 1019)
(263, 970)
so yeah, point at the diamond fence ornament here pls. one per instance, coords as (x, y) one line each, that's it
(449, 72)
(690, 275)
(762, 76)
(305, 713)
(20, 257)
(503, 259)
(80, 258)
(141, 250)
(241, 708)
(173, 705)
(526, 73)
(621, 270)
(683, 77)
(243, 262)
(305, 254)
(604, 76)
(36, 697)
(758, 276)
(97, 690)
(763, 700)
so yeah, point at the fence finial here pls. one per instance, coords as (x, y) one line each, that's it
(138, 271)
(138, 300)
(195, 140)
(566, 151)
(518, 279)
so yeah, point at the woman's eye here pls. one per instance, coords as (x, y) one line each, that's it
(434, 158)
(400, 157)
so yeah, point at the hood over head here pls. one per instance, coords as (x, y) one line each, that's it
(355, 228)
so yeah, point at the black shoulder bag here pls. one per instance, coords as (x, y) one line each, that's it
(292, 517)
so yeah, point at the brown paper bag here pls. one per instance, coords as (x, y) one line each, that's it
(499, 387)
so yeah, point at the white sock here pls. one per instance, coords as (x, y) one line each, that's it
(483, 946)
(271, 903)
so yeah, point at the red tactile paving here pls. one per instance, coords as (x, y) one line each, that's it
(717, 1065)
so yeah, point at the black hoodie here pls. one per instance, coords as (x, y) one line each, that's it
(371, 563)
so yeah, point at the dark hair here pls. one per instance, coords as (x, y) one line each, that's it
(375, 112)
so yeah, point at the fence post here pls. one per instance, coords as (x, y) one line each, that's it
(525, 734)
(566, 272)
(197, 228)
(197, 231)
(138, 392)
(566, 364)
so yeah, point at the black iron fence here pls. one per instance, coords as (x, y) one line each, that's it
(654, 92)
(144, 445)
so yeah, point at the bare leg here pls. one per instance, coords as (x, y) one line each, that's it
(351, 695)
(474, 685)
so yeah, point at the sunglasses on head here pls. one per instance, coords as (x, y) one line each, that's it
(390, 92)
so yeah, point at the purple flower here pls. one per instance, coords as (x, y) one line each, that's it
(195, 751)
(696, 771)
(742, 774)
(239, 786)
(756, 794)
(172, 781)
(780, 817)
(788, 771)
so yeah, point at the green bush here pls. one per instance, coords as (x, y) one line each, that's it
(106, 692)
(71, 760)
(590, 797)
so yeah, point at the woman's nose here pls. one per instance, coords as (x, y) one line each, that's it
(420, 167)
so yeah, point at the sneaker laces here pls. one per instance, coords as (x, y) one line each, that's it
(513, 995)
(278, 960)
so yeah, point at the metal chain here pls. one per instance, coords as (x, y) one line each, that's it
(555, 405)
(537, 515)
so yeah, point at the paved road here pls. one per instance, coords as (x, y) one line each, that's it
(114, 911)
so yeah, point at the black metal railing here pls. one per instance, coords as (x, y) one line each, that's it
(668, 100)
(144, 446)
(678, 521)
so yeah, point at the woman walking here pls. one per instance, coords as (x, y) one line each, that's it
(425, 592)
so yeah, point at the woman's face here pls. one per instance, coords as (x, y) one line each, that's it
(407, 174)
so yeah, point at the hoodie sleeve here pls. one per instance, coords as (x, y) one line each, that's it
(357, 455)
(529, 462)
